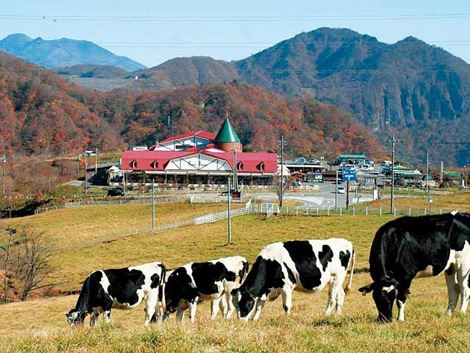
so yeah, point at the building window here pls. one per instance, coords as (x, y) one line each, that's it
(240, 165)
(154, 165)
(133, 164)
(260, 166)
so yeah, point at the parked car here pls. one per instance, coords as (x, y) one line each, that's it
(341, 189)
(116, 192)
(431, 182)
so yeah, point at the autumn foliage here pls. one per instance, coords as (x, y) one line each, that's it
(42, 114)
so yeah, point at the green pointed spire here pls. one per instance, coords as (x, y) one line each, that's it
(227, 134)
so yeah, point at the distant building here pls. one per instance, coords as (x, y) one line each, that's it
(199, 158)
(350, 159)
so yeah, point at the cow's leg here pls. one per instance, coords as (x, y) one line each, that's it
(331, 297)
(339, 299)
(192, 309)
(215, 307)
(179, 314)
(259, 307)
(150, 306)
(95, 313)
(402, 296)
(107, 316)
(287, 299)
(463, 275)
(230, 306)
(223, 305)
(452, 290)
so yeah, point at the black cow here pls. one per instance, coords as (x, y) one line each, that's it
(199, 281)
(305, 265)
(410, 247)
(123, 288)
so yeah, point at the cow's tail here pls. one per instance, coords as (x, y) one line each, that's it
(352, 262)
(163, 276)
(244, 271)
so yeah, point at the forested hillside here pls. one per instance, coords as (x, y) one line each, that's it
(41, 114)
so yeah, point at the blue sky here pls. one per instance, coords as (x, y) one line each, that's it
(153, 31)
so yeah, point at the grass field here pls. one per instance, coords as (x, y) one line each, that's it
(39, 325)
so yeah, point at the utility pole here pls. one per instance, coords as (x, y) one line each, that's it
(4, 160)
(235, 170)
(229, 213)
(281, 196)
(392, 188)
(154, 223)
(96, 161)
(336, 190)
(86, 177)
(427, 172)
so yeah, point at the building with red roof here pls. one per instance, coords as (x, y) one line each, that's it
(200, 158)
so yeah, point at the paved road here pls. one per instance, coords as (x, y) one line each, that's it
(323, 198)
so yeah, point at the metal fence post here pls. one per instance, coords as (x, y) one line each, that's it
(367, 211)
(380, 211)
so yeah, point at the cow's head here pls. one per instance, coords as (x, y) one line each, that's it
(384, 294)
(75, 317)
(244, 302)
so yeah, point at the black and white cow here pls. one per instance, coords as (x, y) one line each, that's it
(304, 265)
(199, 281)
(410, 247)
(123, 288)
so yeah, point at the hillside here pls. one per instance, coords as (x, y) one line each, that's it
(42, 114)
(259, 116)
(63, 52)
(417, 91)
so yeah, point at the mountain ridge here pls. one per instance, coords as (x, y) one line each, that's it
(63, 52)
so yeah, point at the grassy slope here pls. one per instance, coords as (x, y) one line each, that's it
(38, 326)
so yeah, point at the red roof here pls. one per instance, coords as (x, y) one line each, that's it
(202, 134)
(247, 162)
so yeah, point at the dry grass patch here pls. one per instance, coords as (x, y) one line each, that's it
(306, 330)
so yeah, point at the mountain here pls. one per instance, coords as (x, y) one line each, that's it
(42, 114)
(410, 89)
(63, 52)
(185, 72)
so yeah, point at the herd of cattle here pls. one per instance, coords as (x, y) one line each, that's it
(403, 249)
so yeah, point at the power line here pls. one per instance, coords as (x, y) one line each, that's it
(210, 17)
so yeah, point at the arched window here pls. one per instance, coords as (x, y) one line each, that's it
(240, 165)
(154, 165)
(133, 164)
(261, 166)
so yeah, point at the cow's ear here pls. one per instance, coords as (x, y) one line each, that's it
(367, 289)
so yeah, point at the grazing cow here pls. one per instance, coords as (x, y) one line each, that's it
(304, 265)
(123, 288)
(410, 247)
(213, 280)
